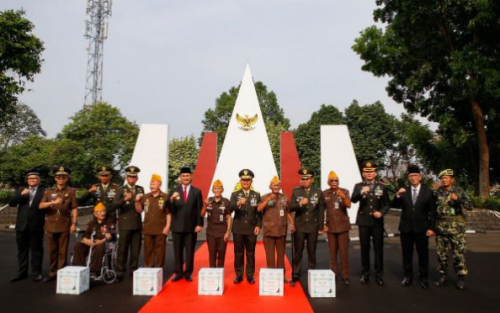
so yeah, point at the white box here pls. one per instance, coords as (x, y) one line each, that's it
(73, 280)
(321, 283)
(271, 281)
(211, 281)
(148, 281)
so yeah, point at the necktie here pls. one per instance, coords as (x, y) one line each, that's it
(32, 194)
(185, 193)
(246, 194)
(414, 196)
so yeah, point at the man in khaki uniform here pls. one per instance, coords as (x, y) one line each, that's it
(276, 217)
(60, 219)
(337, 225)
(218, 225)
(157, 218)
(99, 231)
(129, 223)
(102, 192)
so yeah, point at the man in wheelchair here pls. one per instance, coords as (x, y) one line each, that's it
(100, 230)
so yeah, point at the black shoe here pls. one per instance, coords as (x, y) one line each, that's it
(423, 283)
(460, 283)
(177, 277)
(345, 281)
(406, 282)
(238, 279)
(441, 281)
(379, 281)
(18, 278)
(250, 279)
(37, 277)
(188, 278)
(364, 279)
(49, 279)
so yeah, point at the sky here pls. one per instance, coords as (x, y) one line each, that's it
(166, 62)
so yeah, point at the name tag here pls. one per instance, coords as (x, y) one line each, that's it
(282, 213)
(221, 218)
(337, 206)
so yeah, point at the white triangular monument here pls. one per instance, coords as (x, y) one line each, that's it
(246, 144)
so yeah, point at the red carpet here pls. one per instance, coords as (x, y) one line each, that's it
(244, 297)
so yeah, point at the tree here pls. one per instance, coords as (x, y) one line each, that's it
(182, 151)
(34, 152)
(373, 131)
(217, 120)
(23, 123)
(443, 62)
(97, 134)
(307, 136)
(20, 58)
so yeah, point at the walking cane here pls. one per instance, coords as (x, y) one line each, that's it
(90, 250)
(292, 282)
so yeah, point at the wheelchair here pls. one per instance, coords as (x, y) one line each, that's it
(107, 273)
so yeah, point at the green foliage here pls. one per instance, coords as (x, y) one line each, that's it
(307, 137)
(22, 123)
(20, 58)
(34, 152)
(217, 120)
(5, 195)
(443, 63)
(182, 151)
(372, 131)
(98, 134)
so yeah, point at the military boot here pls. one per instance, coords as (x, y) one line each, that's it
(461, 282)
(441, 281)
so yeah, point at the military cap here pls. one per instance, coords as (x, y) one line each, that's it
(369, 166)
(104, 170)
(275, 180)
(217, 183)
(446, 172)
(413, 169)
(246, 174)
(99, 207)
(186, 169)
(132, 171)
(61, 171)
(332, 176)
(33, 171)
(306, 173)
(155, 177)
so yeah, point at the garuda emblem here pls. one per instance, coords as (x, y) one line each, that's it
(246, 122)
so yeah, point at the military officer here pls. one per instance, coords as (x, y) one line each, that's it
(129, 222)
(218, 225)
(247, 223)
(103, 192)
(157, 219)
(337, 225)
(60, 219)
(451, 224)
(373, 197)
(99, 231)
(275, 220)
(308, 204)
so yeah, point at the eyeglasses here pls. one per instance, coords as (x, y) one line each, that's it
(61, 177)
(335, 180)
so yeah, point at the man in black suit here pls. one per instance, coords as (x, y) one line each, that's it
(29, 227)
(373, 198)
(187, 222)
(417, 224)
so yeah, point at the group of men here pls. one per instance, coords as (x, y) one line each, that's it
(308, 213)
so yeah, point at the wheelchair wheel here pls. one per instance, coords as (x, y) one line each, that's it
(109, 276)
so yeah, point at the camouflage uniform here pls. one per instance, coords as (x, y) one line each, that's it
(450, 227)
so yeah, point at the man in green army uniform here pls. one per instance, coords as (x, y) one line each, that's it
(103, 192)
(450, 227)
(129, 222)
(308, 204)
